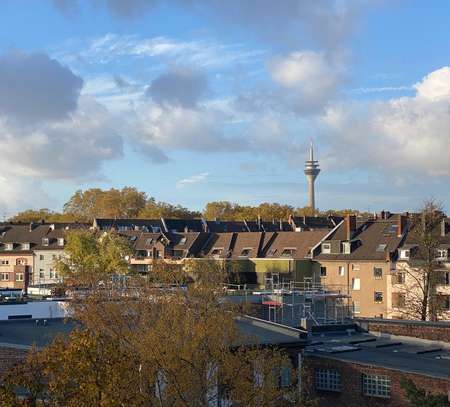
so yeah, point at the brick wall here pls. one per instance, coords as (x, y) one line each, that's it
(352, 392)
(436, 331)
(9, 357)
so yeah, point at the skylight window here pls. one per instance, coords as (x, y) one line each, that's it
(381, 247)
(216, 252)
(246, 252)
(183, 240)
(288, 252)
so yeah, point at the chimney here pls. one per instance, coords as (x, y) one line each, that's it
(401, 225)
(443, 227)
(350, 226)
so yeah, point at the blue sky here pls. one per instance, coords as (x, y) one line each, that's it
(194, 101)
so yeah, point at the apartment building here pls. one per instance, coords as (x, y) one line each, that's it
(252, 257)
(28, 253)
(359, 258)
(408, 284)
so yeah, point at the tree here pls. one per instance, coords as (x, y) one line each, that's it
(90, 257)
(423, 271)
(113, 203)
(32, 215)
(151, 344)
(156, 210)
(420, 398)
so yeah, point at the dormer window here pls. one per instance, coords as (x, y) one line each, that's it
(442, 254)
(25, 246)
(326, 248)
(288, 252)
(346, 247)
(182, 240)
(45, 241)
(216, 252)
(9, 246)
(404, 254)
(60, 241)
(246, 252)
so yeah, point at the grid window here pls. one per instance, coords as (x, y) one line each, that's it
(378, 273)
(378, 296)
(4, 276)
(328, 379)
(376, 386)
(356, 307)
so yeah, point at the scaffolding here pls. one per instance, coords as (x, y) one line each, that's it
(291, 302)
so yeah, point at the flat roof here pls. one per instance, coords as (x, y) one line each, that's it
(412, 355)
(27, 332)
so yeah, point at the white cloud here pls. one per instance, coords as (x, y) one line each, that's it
(197, 53)
(194, 179)
(309, 79)
(403, 138)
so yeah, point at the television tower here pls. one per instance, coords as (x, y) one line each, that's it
(311, 171)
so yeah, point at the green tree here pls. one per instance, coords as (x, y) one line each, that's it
(90, 257)
(420, 398)
(156, 210)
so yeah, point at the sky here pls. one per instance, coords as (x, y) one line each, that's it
(194, 101)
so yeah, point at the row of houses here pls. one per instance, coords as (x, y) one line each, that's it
(370, 260)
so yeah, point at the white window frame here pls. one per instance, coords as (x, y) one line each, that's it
(9, 246)
(341, 271)
(326, 248)
(376, 386)
(356, 284)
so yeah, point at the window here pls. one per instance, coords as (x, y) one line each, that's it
(21, 262)
(60, 241)
(246, 252)
(25, 246)
(4, 262)
(41, 257)
(323, 271)
(9, 246)
(346, 247)
(178, 253)
(216, 252)
(51, 273)
(19, 277)
(378, 296)
(381, 247)
(356, 283)
(341, 271)
(398, 300)
(327, 379)
(288, 252)
(376, 386)
(356, 307)
(41, 274)
(4, 276)
(326, 248)
(404, 254)
(447, 278)
(149, 241)
(183, 240)
(446, 302)
(159, 254)
(399, 278)
(355, 267)
(285, 376)
(442, 254)
(378, 273)
(45, 241)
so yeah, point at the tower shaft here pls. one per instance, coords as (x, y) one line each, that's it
(312, 170)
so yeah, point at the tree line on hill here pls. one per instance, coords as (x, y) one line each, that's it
(129, 202)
